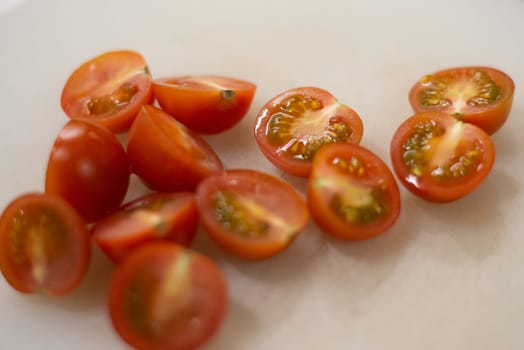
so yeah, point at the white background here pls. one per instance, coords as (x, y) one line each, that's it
(445, 277)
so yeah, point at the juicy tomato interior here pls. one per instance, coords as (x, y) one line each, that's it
(166, 216)
(440, 158)
(166, 155)
(351, 192)
(89, 168)
(44, 246)
(292, 126)
(207, 104)
(250, 214)
(164, 296)
(478, 95)
(109, 89)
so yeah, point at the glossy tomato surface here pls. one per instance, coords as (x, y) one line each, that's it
(44, 246)
(351, 193)
(250, 214)
(292, 126)
(89, 168)
(158, 216)
(478, 95)
(166, 297)
(166, 155)
(109, 89)
(207, 104)
(440, 158)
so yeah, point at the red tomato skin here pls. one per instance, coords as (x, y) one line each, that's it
(178, 224)
(427, 189)
(146, 263)
(95, 72)
(489, 118)
(288, 204)
(159, 160)
(299, 167)
(89, 168)
(320, 211)
(204, 111)
(75, 267)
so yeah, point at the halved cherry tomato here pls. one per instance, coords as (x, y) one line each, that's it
(440, 158)
(207, 104)
(89, 168)
(250, 214)
(44, 246)
(351, 192)
(109, 89)
(166, 216)
(164, 296)
(292, 126)
(166, 155)
(478, 95)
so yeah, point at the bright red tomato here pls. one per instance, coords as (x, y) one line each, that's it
(44, 246)
(89, 168)
(351, 192)
(207, 104)
(440, 158)
(166, 155)
(109, 89)
(166, 216)
(166, 297)
(478, 95)
(250, 214)
(292, 126)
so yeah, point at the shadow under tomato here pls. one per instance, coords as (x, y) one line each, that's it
(477, 222)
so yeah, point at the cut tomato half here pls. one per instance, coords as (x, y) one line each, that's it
(351, 192)
(44, 245)
(481, 96)
(292, 126)
(207, 104)
(109, 89)
(250, 214)
(440, 158)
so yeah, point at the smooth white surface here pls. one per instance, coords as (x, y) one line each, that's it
(445, 277)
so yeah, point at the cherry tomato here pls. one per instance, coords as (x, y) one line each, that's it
(292, 126)
(166, 155)
(109, 89)
(44, 246)
(440, 158)
(250, 214)
(89, 168)
(168, 216)
(164, 296)
(351, 193)
(207, 104)
(478, 95)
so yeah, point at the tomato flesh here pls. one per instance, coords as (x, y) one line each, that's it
(440, 158)
(207, 104)
(250, 214)
(159, 216)
(164, 296)
(351, 193)
(44, 246)
(89, 168)
(478, 95)
(109, 89)
(292, 127)
(166, 155)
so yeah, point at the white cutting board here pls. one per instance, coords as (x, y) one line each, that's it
(445, 277)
